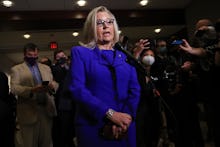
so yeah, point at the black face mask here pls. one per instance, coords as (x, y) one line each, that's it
(31, 60)
(208, 36)
(61, 61)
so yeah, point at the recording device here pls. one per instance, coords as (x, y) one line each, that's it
(50, 91)
(139, 66)
(177, 42)
(151, 44)
(45, 83)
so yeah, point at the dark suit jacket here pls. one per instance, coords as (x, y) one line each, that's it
(7, 113)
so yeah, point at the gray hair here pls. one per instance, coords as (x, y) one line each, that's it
(90, 32)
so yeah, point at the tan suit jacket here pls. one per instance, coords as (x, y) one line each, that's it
(21, 84)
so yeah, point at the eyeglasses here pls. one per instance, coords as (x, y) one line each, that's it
(101, 23)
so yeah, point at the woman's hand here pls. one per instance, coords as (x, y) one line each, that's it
(118, 132)
(122, 120)
(140, 46)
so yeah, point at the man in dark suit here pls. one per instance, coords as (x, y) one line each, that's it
(7, 113)
(63, 129)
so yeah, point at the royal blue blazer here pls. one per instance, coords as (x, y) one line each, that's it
(95, 91)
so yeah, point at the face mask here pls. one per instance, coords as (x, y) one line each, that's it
(206, 35)
(148, 60)
(31, 60)
(61, 61)
(163, 50)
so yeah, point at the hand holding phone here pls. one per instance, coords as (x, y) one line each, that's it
(48, 87)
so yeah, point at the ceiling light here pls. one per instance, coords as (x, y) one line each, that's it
(26, 36)
(79, 16)
(7, 3)
(158, 30)
(143, 2)
(75, 34)
(81, 3)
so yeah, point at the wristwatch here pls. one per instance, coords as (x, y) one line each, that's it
(110, 113)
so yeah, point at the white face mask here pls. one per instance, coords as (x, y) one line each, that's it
(148, 60)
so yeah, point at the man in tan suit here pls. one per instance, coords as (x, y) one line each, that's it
(33, 84)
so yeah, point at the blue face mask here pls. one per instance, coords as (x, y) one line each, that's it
(163, 50)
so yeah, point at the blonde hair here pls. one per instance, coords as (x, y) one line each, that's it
(90, 32)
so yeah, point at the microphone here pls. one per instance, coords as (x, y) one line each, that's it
(140, 67)
(131, 59)
(119, 47)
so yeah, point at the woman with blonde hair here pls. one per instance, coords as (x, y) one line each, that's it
(103, 85)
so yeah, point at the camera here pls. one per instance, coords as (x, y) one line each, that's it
(45, 83)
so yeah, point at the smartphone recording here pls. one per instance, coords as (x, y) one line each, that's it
(45, 83)
(177, 42)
